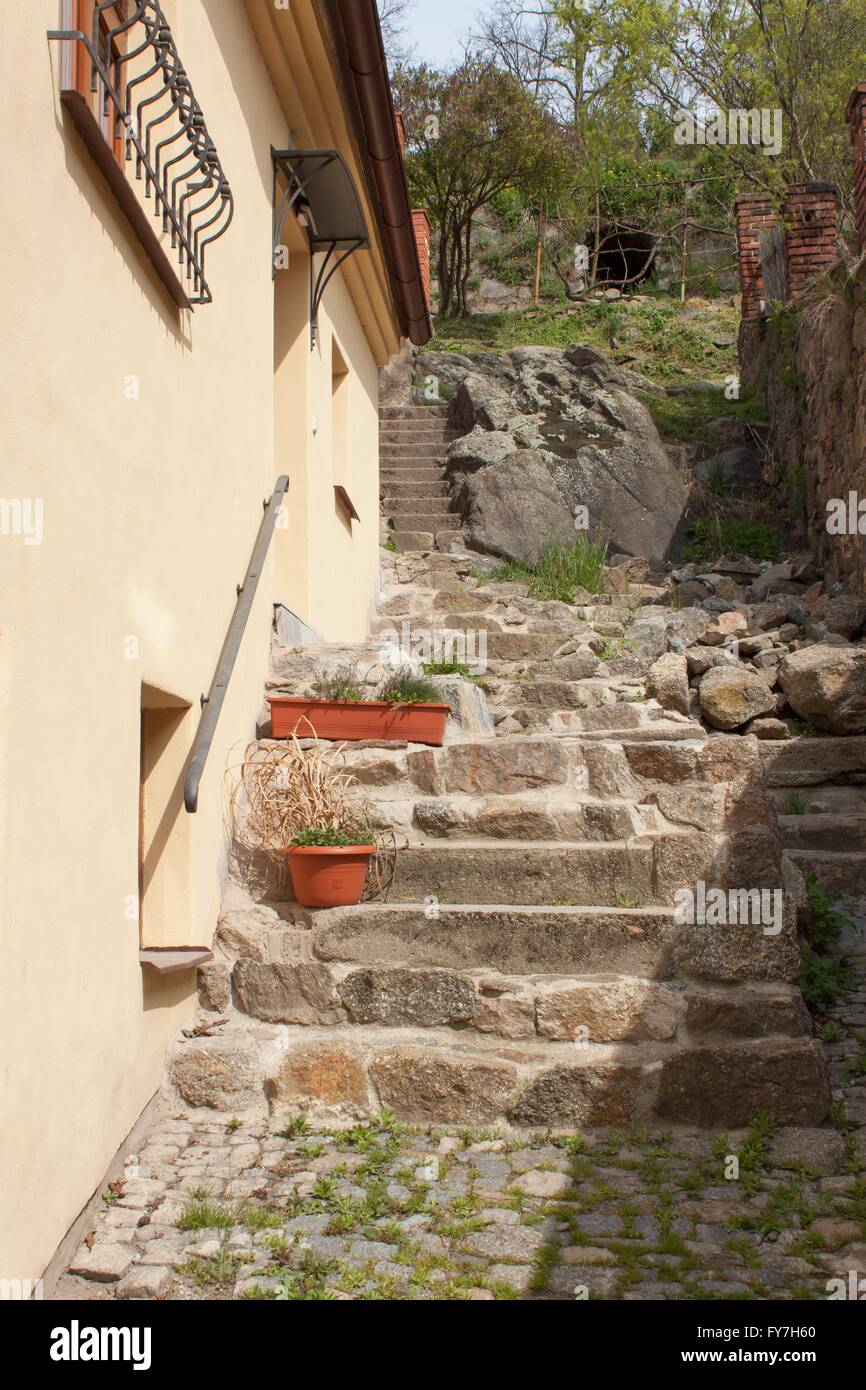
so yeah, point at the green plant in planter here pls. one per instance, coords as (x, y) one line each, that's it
(405, 688)
(345, 684)
(330, 837)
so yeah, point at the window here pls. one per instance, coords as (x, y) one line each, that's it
(113, 45)
(341, 415)
(164, 829)
(129, 95)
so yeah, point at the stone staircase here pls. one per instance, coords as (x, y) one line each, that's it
(818, 786)
(528, 966)
(413, 491)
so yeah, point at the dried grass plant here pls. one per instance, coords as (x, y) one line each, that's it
(825, 293)
(278, 790)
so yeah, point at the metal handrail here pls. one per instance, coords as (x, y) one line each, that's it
(212, 703)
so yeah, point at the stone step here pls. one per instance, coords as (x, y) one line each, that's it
(398, 424)
(499, 620)
(821, 798)
(839, 834)
(560, 723)
(542, 696)
(422, 542)
(423, 473)
(398, 447)
(451, 623)
(524, 646)
(429, 521)
(529, 816)
(397, 465)
(842, 873)
(529, 873)
(574, 940)
(435, 411)
(404, 453)
(639, 722)
(427, 506)
(488, 767)
(598, 1007)
(806, 762)
(425, 1077)
(417, 434)
(396, 488)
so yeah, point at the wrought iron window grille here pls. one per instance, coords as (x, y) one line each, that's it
(320, 192)
(151, 111)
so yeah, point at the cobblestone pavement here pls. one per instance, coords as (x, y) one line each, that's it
(218, 1208)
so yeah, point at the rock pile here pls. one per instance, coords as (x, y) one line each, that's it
(768, 644)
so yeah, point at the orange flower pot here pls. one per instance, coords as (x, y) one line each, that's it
(367, 719)
(329, 876)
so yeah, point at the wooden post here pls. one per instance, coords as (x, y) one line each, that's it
(596, 248)
(538, 248)
(685, 250)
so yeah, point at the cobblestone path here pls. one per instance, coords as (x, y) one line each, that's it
(216, 1208)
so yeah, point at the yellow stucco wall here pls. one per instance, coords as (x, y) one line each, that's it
(152, 491)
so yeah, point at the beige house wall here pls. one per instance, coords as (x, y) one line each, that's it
(151, 436)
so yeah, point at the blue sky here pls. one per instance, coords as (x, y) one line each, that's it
(436, 26)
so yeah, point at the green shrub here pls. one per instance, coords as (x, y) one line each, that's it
(690, 416)
(713, 536)
(561, 569)
(824, 977)
(510, 572)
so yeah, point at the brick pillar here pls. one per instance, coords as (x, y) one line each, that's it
(401, 132)
(754, 214)
(421, 223)
(811, 219)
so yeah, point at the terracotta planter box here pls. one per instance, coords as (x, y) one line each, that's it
(328, 876)
(367, 719)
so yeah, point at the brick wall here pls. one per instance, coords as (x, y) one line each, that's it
(811, 216)
(420, 220)
(754, 214)
(421, 223)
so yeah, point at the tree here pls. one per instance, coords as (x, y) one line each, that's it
(800, 57)
(471, 133)
(553, 52)
(393, 15)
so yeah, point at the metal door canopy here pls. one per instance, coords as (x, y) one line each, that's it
(319, 185)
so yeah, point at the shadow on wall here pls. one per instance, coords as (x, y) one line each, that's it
(106, 214)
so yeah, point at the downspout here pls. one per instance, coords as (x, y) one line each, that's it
(363, 38)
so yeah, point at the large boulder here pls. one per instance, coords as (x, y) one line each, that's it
(511, 507)
(845, 614)
(732, 695)
(827, 685)
(554, 440)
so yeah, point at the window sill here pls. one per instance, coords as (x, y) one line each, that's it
(169, 960)
(103, 156)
